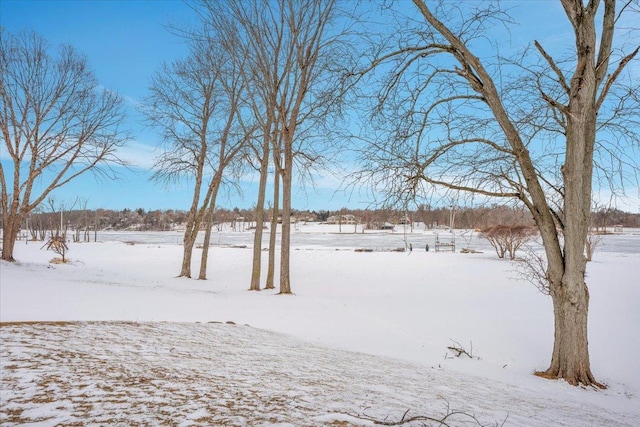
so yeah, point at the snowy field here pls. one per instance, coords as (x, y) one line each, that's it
(119, 340)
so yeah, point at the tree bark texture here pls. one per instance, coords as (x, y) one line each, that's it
(188, 241)
(187, 250)
(271, 269)
(570, 356)
(285, 242)
(207, 235)
(10, 230)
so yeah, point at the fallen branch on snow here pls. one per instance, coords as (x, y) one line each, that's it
(449, 417)
(459, 350)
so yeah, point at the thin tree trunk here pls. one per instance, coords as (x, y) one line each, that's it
(205, 251)
(257, 237)
(190, 236)
(272, 237)
(191, 233)
(188, 241)
(207, 235)
(285, 241)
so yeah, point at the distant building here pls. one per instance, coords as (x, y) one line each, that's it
(406, 220)
(292, 220)
(343, 219)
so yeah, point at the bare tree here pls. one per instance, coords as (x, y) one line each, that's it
(56, 124)
(58, 244)
(182, 104)
(244, 28)
(537, 129)
(233, 136)
(287, 45)
(194, 102)
(308, 43)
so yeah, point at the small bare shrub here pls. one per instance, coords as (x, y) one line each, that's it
(507, 239)
(57, 244)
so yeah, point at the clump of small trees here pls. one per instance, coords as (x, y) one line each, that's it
(507, 239)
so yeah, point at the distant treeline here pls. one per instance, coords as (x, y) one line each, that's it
(170, 219)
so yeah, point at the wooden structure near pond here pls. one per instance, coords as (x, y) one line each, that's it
(441, 246)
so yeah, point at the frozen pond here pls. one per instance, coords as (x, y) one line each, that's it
(320, 236)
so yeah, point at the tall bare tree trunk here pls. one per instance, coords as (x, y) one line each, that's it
(284, 42)
(205, 250)
(285, 240)
(11, 218)
(570, 357)
(257, 237)
(273, 236)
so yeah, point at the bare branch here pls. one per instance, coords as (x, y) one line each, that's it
(554, 67)
(613, 76)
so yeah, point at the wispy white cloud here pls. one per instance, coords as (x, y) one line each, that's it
(138, 154)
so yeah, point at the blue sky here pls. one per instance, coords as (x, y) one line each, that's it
(126, 41)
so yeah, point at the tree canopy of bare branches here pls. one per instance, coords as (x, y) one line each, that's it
(289, 48)
(542, 128)
(195, 102)
(56, 124)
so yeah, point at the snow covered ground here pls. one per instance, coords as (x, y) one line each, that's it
(365, 333)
